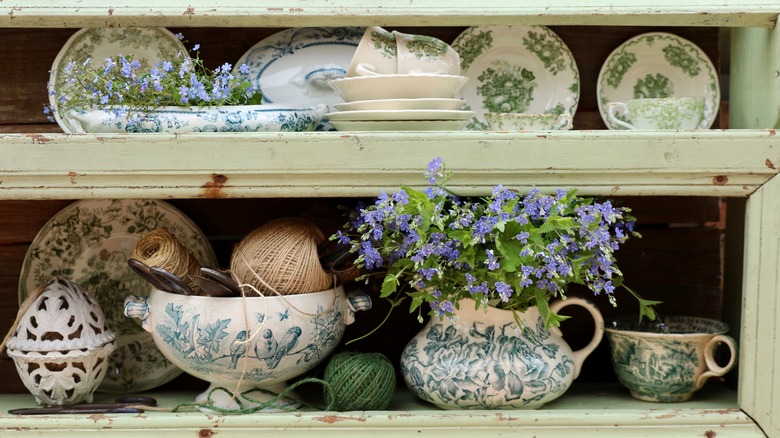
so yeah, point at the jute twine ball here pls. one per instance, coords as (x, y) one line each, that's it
(359, 381)
(281, 257)
(160, 247)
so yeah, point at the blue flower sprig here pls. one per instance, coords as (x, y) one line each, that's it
(121, 84)
(507, 250)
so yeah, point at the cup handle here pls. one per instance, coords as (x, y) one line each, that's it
(611, 112)
(365, 70)
(713, 369)
(598, 332)
(564, 122)
(138, 308)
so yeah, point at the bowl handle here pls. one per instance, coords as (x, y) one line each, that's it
(138, 308)
(356, 301)
(598, 320)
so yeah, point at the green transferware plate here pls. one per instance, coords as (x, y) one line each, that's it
(658, 64)
(89, 243)
(516, 69)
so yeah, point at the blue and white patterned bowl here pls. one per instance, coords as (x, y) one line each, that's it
(238, 118)
(246, 347)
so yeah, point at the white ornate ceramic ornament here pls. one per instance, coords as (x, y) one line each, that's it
(61, 344)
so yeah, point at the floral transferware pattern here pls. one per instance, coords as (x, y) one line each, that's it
(483, 360)
(515, 69)
(239, 118)
(148, 44)
(89, 243)
(657, 65)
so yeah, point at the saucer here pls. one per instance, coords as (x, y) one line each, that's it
(658, 64)
(516, 69)
(400, 125)
(421, 114)
(411, 86)
(401, 104)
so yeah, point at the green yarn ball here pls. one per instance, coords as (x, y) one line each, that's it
(359, 381)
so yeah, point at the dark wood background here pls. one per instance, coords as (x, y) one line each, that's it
(679, 260)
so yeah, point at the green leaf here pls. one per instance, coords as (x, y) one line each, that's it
(551, 319)
(509, 247)
(389, 285)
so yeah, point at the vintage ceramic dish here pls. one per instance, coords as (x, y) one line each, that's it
(294, 65)
(89, 243)
(148, 44)
(400, 125)
(398, 86)
(516, 69)
(247, 347)
(658, 64)
(401, 104)
(528, 122)
(239, 118)
(416, 114)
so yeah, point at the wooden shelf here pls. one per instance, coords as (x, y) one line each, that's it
(280, 13)
(592, 408)
(335, 164)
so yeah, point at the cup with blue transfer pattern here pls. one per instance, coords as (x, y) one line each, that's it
(668, 113)
(669, 361)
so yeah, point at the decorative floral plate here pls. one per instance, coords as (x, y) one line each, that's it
(516, 69)
(658, 64)
(148, 44)
(89, 243)
(294, 65)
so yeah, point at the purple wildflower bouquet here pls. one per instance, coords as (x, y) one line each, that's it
(506, 250)
(121, 85)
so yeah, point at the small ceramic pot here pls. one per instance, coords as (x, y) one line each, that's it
(246, 347)
(668, 363)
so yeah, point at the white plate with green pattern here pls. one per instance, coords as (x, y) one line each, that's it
(658, 64)
(89, 242)
(148, 45)
(516, 69)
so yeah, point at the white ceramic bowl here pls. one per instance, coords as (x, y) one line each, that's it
(246, 346)
(238, 118)
(411, 86)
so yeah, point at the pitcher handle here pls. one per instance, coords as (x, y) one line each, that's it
(713, 369)
(598, 332)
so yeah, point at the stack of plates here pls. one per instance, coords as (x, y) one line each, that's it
(408, 102)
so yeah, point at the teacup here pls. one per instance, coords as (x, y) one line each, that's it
(422, 54)
(668, 362)
(375, 54)
(528, 122)
(674, 113)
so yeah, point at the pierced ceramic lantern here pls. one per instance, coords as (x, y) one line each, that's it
(61, 344)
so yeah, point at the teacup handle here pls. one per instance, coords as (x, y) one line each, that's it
(611, 112)
(564, 122)
(713, 369)
(366, 70)
(598, 332)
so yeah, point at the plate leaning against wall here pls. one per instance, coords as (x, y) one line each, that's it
(658, 64)
(149, 45)
(89, 243)
(294, 65)
(516, 69)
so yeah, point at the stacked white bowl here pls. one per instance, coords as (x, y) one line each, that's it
(400, 82)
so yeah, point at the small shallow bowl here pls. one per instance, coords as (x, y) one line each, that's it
(412, 86)
(246, 347)
(401, 104)
(237, 118)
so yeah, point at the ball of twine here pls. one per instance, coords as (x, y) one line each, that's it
(281, 257)
(160, 247)
(359, 381)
